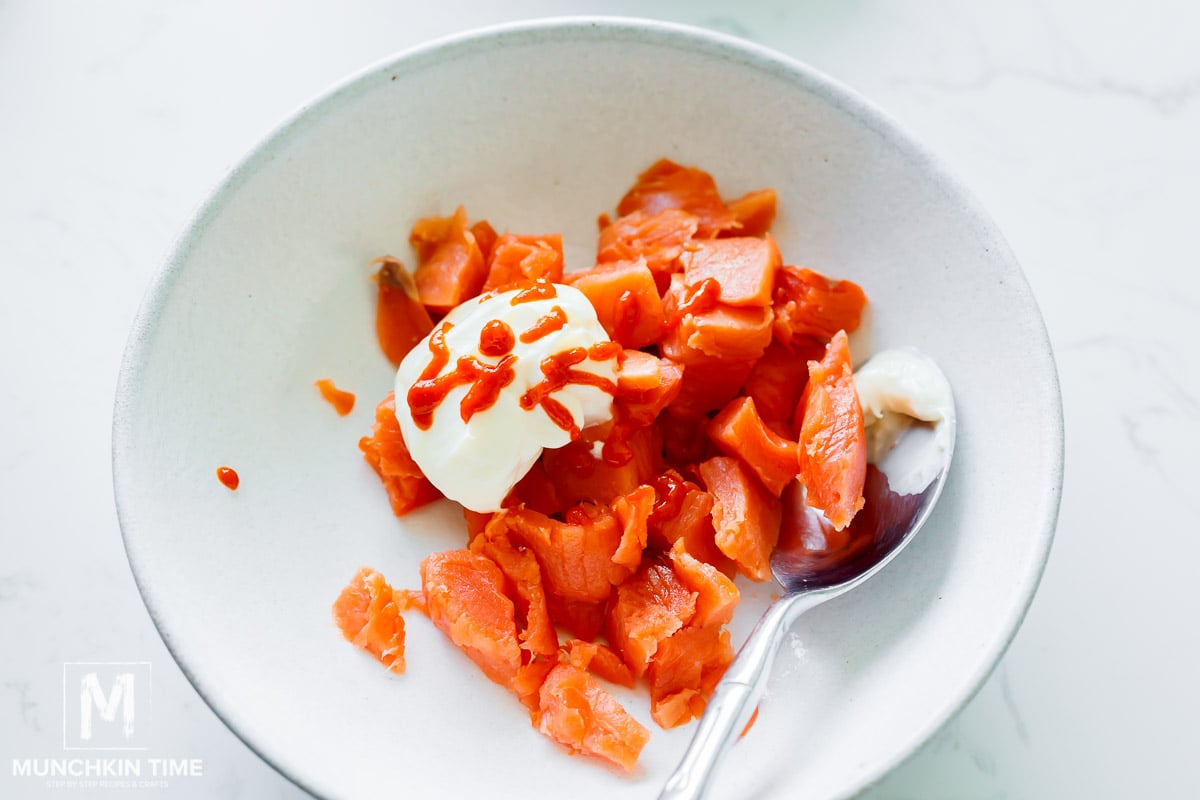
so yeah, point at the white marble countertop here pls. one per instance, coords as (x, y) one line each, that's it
(1077, 124)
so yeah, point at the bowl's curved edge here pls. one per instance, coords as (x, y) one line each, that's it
(672, 34)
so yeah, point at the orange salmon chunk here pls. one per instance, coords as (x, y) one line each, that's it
(809, 304)
(368, 614)
(648, 608)
(744, 267)
(745, 515)
(517, 261)
(401, 321)
(576, 711)
(739, 431)
(658, 239)
(666, 184)
(833, 441)
(385, 450)
(626, 301)
(754, 213)
(451, 268)
(685, 671)
(465, 599)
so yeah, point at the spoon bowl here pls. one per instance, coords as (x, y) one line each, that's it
(814, 563)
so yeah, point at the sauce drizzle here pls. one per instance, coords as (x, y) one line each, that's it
(558, 373)
(431, 389)
(669, 494)
(486, 382)
(603, 351)
(546, 325)
(496, 339)
(616, 450)
(541, 289)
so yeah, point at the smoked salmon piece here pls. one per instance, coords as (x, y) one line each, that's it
(740, 432)
(685, 442)
(368, 615)
(727, 332)
(809, 304)
(689, 522)
(632, 511)
(576, 556)
(716, 595)
(520, 260)
(410, 600)
(733, 338)
(429, 232)
(576, 711)
(666, 184)
(579, 475)
(754, 213)
(485, 236)
(646, 385)
(530, 678)
(833, 442)
(708, 383)
(745, 515)
(581, 619)
(778, 378)
(451, 267)
(600, 660)
(744, 267)
(646, 609)
(537, 491)
(476, 522)
(638, 372)
(465, 599)
(407, 487)
(684, 672)
(401, 320)
(657, 238)
(626, 300)
(523, 585)
(712, 330)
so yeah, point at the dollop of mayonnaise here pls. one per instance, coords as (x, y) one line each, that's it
(477, 462)
(898, 389)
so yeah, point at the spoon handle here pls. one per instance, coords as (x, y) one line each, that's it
(735, 698)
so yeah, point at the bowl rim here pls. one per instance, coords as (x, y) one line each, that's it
(592, 28)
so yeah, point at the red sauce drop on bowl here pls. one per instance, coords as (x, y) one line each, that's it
(228, 477)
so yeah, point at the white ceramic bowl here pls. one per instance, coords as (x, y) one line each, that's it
(539, 127)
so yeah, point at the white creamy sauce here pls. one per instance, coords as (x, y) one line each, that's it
(898, 389)
(477, 463)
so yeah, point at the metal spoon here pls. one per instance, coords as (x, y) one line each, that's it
(813, 564)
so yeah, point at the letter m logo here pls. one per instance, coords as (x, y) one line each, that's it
(92, 696)
(105, 705)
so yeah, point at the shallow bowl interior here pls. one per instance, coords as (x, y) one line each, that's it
(539, 128)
